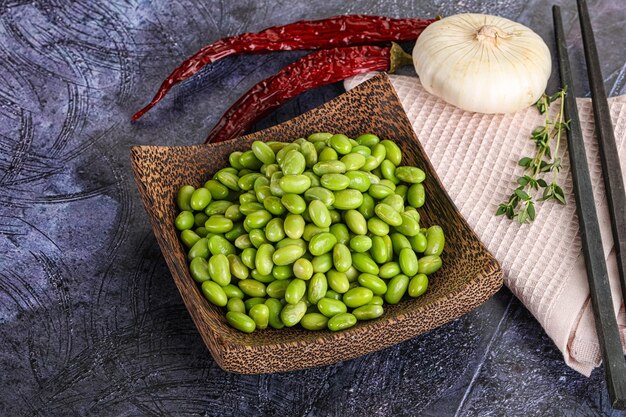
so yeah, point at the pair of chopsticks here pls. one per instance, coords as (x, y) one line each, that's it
(606, 324)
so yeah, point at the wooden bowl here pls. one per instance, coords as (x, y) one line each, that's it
(470, 274)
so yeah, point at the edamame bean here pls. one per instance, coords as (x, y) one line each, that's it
(218, 224)
(274, 205)
(263, 152)
(353, 161)
(293, 164)
(282, 272)
(322, 263)
(252, 287)
(341, 322)
(416, 195)
(377, 300)
(200, 198)
(303, 269)
(329, 167)
(199, 250)
(367, 206)
(335, 182)
(236, 304)
(318, 285)
(293, 203)
(418, 285)
(264, 259)
(368, 139)
(319, 137)
(237, 267)
(287, 255)
(314, 321)
(232, 291)
(183, 198)
(337, 281)
(291, 314)
(260, 313)
(409, 226)
(319, 213)
(435, 241)
(199, 270)
(377, 227)
(184, 220)
(257, 219)
(348, 199)
(294, 226)
(364, 263)
(389, 270)
(408, 261)
(387, 214)
(396, 288)
(214, 293)
(361, 243)
(331, 307)
(274, 230)
(368, 312)
(189, 237)
(429, 264)
(410, 174)
(356, 222)
(219, 268)
(378, 250)
(374, 283)
(294, 184)
(356, 297)
(240, 321)
(295, 291)
(393, 152)
(321, 243)
(342, 259)
(358, 180)
(275, 307)
(340, 143)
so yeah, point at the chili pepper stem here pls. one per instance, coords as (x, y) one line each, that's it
(398, 58)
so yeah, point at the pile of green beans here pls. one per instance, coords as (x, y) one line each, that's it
(321, 232)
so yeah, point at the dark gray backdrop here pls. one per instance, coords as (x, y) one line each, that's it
(90, 320)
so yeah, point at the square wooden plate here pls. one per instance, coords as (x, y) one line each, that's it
(469, 276)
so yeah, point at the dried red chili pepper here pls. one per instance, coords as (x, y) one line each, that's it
(319, 68)
(302, 35)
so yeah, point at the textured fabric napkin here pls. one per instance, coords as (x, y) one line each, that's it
(476, 155)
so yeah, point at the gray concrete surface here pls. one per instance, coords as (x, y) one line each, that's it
(90, 320)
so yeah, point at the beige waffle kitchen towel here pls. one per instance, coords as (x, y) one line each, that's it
(476, 155)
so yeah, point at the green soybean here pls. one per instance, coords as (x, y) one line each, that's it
(357, 297)
(331, 307)
(335, 182)
(342, 259)
(319, 214)
(183, 198)
(322, 243)
(240, 321)
(341, 322)
(348, 199)
(199, 249)
(435, 241)
(368, 312)
(295, 291)
(416, 195)
(418, 285)
(396, 288)
(364, 263)
(410, 174)
(275, 307)
(338, 281)
(374, 283)
(260, 313)
(303, 269)
(219, 268)
(429, 264)
(314, 321)
(185, 220)
(214, 293)
(252, 287)
(291, 314)
(287, 255)
(236, 304)
(199, 270)
(361, 243)
(318, 285)
(408, 261)
(263, 260)
(189, 237)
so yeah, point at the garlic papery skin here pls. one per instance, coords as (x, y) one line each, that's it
(482, 63)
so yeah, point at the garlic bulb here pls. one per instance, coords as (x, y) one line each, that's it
(482, 63)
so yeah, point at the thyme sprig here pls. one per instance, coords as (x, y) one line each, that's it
(521, 204)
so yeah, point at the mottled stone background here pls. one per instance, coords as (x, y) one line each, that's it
(90, 320)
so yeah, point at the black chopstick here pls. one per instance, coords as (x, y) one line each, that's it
(611, 170)
(597, 275)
